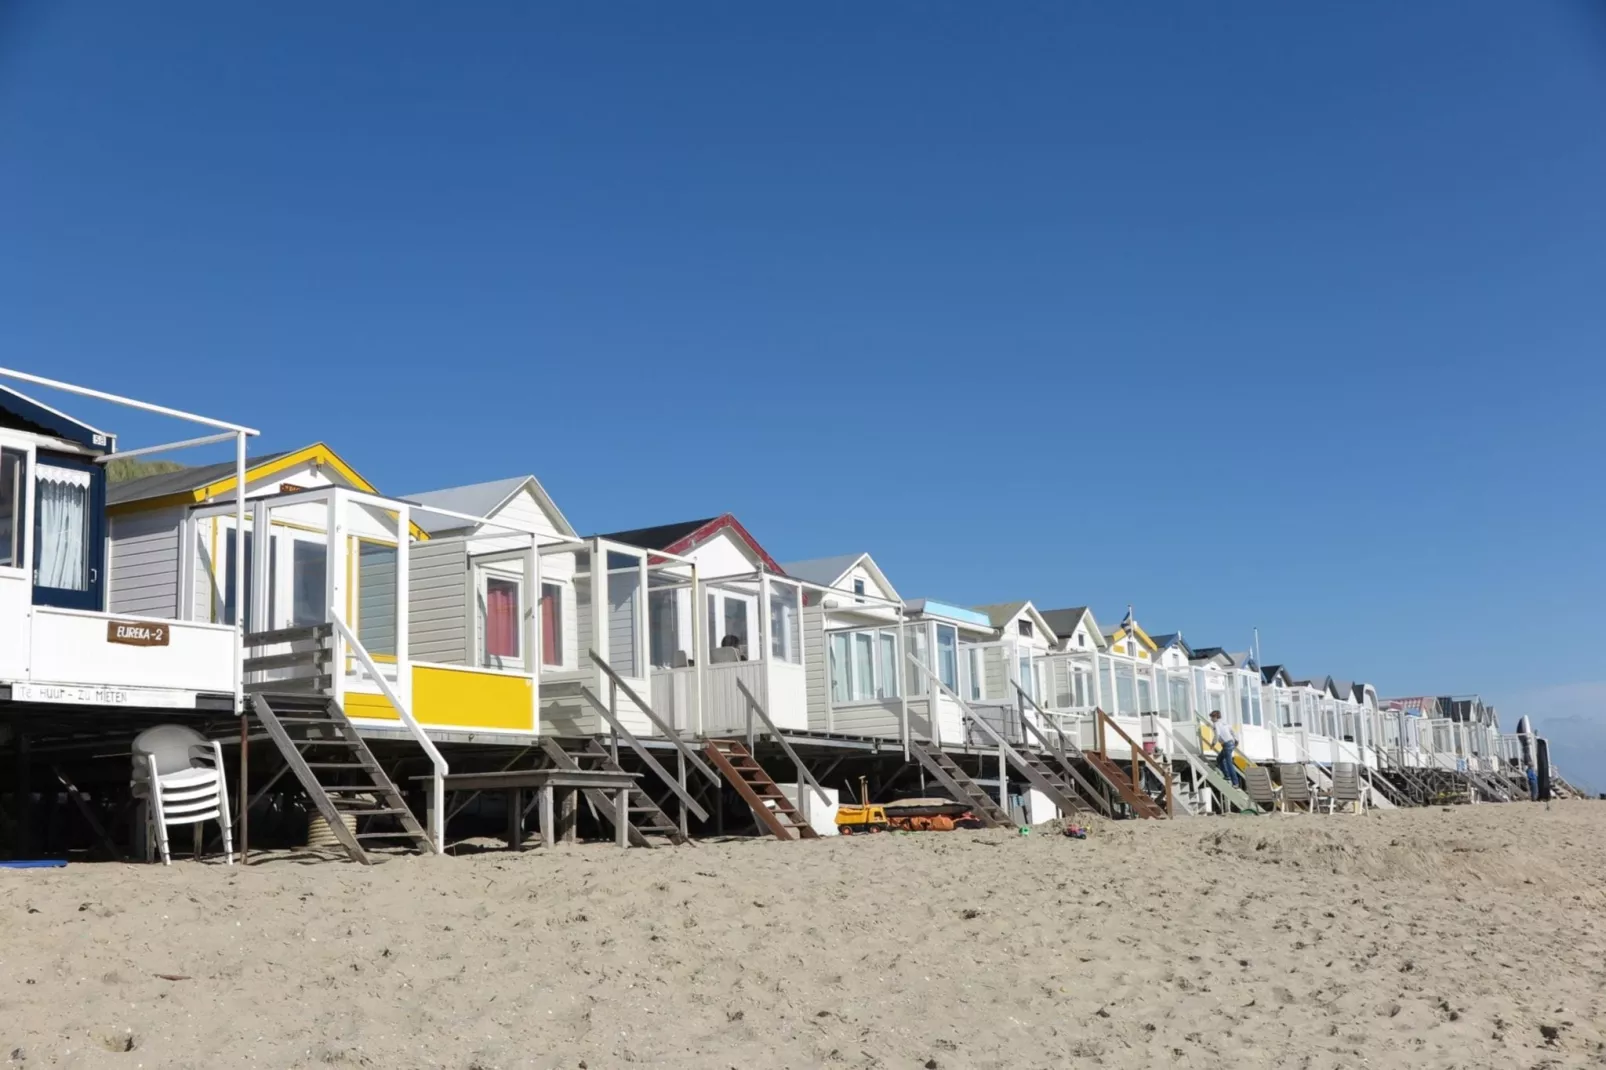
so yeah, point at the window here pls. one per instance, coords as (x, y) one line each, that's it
(735, 620)
(889, 664)
(786, 640)
(1145, 694)
(1179, 700)
(1106, 689)
(230, 599)
(376, 597)
(920, 651)
(61, 499)
(309, 583)
(1025, 627)
(13, 506)
(976, 662)
(551, 624)
(1125, 697)
(840, 668)
(858, 589)
(863, 666)
(499, 622)
(1081, 639)
(1243, 702)
(948, 656)
(663, 628)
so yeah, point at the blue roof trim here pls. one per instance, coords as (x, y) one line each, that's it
(51, 422)
(932, 607)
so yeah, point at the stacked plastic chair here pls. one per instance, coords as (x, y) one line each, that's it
(179, 775)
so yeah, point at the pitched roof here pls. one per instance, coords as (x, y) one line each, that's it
(1064, 621)
(824, 571)
(1000, 613)
(39, 418)
(483, 500)
(686, 535)
(1172, 639)
(184, 481)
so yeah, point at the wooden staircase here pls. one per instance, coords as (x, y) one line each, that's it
(772, 809)
(647, 818)
(338, 772)
(1047, 780)
(1136, 800)
(961, 786)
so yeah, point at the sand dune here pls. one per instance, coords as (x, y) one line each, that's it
(1474, 937)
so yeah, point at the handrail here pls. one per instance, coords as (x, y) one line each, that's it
(1097, 797)
(437, 786)
(658, 722)
(645, 755)
(1101, 719)
(753, 706)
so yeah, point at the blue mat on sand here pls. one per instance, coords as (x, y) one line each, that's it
(35, 863)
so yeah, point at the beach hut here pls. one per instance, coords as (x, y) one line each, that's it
(90, 618)
(748, 619)
(1073, 667)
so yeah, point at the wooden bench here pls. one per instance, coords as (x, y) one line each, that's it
(516, 782)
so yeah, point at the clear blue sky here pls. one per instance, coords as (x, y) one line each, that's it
(1250, 314)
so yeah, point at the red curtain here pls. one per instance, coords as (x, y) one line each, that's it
(501, 620)
(549, 627)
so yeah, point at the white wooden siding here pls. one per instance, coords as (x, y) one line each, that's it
(814, 665)
(143, 571)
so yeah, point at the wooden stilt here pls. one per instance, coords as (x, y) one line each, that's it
(244, 821)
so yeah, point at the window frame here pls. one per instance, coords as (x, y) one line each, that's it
(26, 451)
(483, 658)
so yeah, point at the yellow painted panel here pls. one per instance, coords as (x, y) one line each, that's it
(373, 707)
(469, 699)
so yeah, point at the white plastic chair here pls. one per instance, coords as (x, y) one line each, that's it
(190, 794)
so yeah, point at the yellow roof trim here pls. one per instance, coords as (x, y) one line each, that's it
(1137, 633)
(318, 453)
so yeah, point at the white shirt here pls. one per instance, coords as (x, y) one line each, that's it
(1224, 732)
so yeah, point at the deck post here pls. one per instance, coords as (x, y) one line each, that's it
(1003, 779)
(680, 772)
(244, 822)
(621, 818)
(547, 837)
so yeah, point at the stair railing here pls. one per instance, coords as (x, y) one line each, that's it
(1063, 748)
(1101, 724)
(615, 681)
(437, 780)
(755, 708)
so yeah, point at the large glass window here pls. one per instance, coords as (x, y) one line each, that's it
(735, 621)
(1145, 694)
(920, 651)
(976, 663)
(13, 506)
(663, 629)
(231, 596)
(1106, 693)
(1125, 698)
(1243, 700)
(889, 664)
(863, 665)
(1023, 670)
(309, 583)
(786, 639)
(1180, 710)
(948, 656)
(840, 668)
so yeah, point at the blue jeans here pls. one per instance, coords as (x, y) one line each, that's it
(1228, 768)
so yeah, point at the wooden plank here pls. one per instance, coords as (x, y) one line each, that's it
(289, 635)
(721, 760)
(309, 783)
(292, 660)
(299, 686)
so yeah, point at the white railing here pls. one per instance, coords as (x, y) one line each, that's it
(437, 786)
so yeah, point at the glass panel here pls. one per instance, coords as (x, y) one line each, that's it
(1179, 700)
(786, 642)
(663, 629)
(551, 624)
(624, 613)
(1023, 669)
(1243, 700)
(863, 665)
(1145, 694)
(735, 622)
(61, 495)
(227, 535)
(13, 506)
(376, 598)
(919, 650)
(309, 582)
(713, 623)
(839, 668)
(948, 656)
(500, 621)
(1125, 699)
(976, 658)
(1106, 695)
(889, 664)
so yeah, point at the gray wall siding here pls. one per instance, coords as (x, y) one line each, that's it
(996, 662)
(437, 605)
(143, 567)
(624, 592)
(815, 666)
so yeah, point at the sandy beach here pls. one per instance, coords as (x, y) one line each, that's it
(1472, 937)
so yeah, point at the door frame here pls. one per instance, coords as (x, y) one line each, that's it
(93, 598)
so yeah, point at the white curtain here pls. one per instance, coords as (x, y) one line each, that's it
(63, 505)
